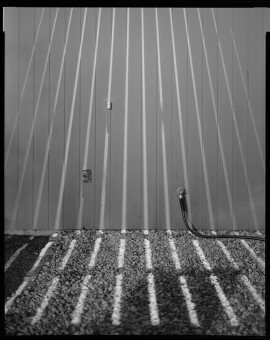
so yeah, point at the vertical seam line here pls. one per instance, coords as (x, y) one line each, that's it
(218, 126)
(172, 66)
(49, 121)
(33, 145)
(63, 204)
(79, 98)
(232, 118)
(248, 120)
(18, 128)
(202, 132)
(95, 128)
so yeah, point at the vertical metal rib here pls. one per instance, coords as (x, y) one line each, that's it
(124, 208)
(111, 58)
(144, 133)
(180, 116)
(165, 177)
(49, 139)
(217, 124)
(30, 139)
(200, 133)
(25, 81)
(103, 194)
(89, 123)
(249, 105)
(69, 130)
(236, 129)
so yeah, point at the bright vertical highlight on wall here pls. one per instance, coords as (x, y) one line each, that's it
(200, 131)
(181, 128)
(124, 208)
(236, 128)
(165, 176)
(105, 161)
(60, 198)
(145, 197)
(23, 89)
(217, 125)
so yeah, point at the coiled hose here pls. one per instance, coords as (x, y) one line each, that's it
(194, 231)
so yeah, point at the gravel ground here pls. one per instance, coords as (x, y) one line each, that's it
(23, 262)
(135, 314)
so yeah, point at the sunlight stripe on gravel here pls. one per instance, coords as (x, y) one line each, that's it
(13, 257)
(54, 282)
(245, 244)
(22, 286)
(151, 284)
(18, 292)
(117, 300)
(153, 301)
(174, 252)
(246, 281)
(226, 252)
(45, 302)
(254, 293)
(94, 254)
(42, 253)
(68, 254)
(148, 254)
(118, 288)
(121, 253)
(225, 303)
(76, 315)
(190, 305)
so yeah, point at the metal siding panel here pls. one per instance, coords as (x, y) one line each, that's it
(266, 19)
(255, 87)
(87, 62)
(266, 24)
(164, 117)
(181, 51)
(151, 118)
(118, 117)
(102, 116)
(224, 20)
(71, 190)
(195, 171)
(11, 108)
(209, 127)
(57, 145)
(134, 161)
(40, 136)
(240, 195)
(25, 207)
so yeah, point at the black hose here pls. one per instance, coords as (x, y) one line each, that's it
(196, 233)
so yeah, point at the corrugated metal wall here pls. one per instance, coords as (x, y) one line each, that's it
(188, 109)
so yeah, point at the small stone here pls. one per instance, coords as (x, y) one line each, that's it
(104, 304)
(249, 318)
(133, 308)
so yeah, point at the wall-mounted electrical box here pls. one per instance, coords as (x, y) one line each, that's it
(109, 105)
(87, 176)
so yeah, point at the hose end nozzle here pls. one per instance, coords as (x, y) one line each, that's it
(181, 192)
